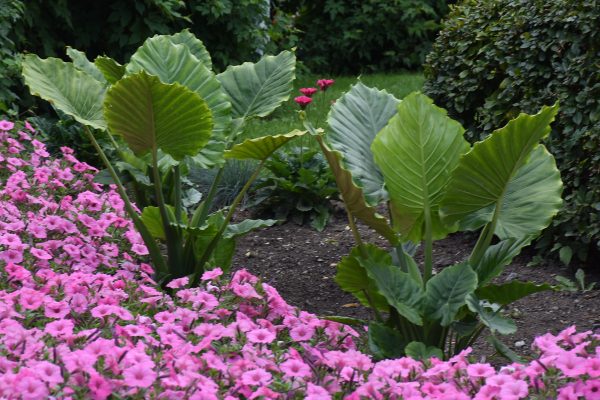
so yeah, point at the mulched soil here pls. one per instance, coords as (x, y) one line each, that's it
(301, 264)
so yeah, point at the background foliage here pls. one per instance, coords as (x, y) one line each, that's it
(351, 36)
(496, 58)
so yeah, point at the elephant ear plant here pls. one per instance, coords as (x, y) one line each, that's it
(410, 156)
(166, 111)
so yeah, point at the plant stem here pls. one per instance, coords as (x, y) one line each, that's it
(173, 235)
(213, 243)
(372, 305)
(177, 193)
(485, 238)
(428, 247)
(206, 203)
(155, 255)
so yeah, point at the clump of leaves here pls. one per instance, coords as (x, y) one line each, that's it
(410, 156)
(298, 186)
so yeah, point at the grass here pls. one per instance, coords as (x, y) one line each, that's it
(285, 118)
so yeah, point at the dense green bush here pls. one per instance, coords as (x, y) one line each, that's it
(348, 36)
(10, 12)
(234, 31)
(496, 58)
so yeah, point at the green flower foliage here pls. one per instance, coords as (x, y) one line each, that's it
(497, 58)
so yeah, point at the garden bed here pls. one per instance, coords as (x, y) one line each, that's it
(301, 263)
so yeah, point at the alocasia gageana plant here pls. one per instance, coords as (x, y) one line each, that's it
(410, 156)
(165, 111)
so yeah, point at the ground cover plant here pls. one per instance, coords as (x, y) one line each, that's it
(409, 155)
(172, 113)
(81, 316)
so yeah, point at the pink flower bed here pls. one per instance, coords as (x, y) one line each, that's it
(81, 317)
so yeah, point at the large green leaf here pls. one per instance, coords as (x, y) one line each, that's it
(353, 278)
(68, 89)
(153, 220)
(256, 90)
(447, 291)
(489, 317)
(420, 351)
(112, 70)
(508, 293)
(81, 62)
(416, 153)
(194, 45)
(385, 342)
(247, 225)
(355, 119)
(261, 148)
(399, 289)
(174, 63)
(149, 115)
(510, 176)
(496, 257)
(353, 196)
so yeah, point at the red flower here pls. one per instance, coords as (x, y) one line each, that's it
(325, 83)
(308, 91)
(303, 101)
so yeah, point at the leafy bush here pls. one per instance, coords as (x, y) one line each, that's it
(299, 186)
(169, 112)
(81, 317)
(496, 58)
(411, 157)
(350, 36)
(10, 12)
(233, 31)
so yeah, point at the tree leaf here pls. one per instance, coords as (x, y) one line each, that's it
(416, 153)
(81, 62)
(261, 148)
(353, 196)
(174, 63)
(399, 288)
(420, 351)
(510, 172)
(510, 292)
(447, 291)
(149, 114)
(353, 278)
(492, 319)
(68, 89)
(256, 90)
(355, 119)
(112, 70)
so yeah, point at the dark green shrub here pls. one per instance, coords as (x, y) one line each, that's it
(496, 58)
(299, 186)
(348, 36)
(10, 12)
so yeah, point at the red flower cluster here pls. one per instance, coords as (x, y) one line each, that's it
(308, 91)
(325, 83)
(303, 101)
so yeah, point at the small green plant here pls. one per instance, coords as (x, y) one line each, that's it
(578, 285)
(299, 186)
(412, 157)
(165, 112)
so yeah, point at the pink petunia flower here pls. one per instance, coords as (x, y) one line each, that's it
(323, 84)
(256, 377)
(309, 91)
(139, 375)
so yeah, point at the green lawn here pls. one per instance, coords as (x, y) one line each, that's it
(285, 118)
